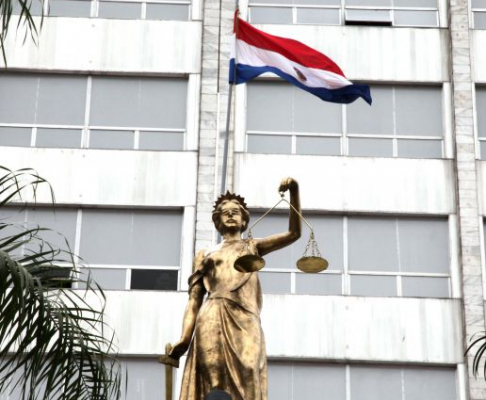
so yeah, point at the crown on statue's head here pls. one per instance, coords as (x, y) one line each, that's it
(230, 196)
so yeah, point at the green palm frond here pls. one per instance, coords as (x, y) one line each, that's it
(478, 346)
(23, 8)
(53, 341)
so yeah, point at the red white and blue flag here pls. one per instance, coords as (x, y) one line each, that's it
(257, 52)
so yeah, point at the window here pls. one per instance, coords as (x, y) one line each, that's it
(397, 125)
(178, 10)
(422, 13)
(368, 256)
(125, 249)
(146, 379)
(479, 13)
(302, 380)
(481, 119)
(92, 112)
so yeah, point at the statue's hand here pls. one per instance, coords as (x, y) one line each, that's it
(288, 184)
(179, 349)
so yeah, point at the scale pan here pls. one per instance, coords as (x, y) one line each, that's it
(249, 263)
(312, 264)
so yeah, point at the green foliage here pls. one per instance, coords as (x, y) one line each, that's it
(53, 341)
(23, 9)
(478, 346)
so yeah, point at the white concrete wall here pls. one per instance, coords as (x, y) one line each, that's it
(111, 177)
(308, 327)
(106, 45)
(362, 184)
(377, 53)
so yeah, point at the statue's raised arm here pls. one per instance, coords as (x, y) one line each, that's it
(281, 240)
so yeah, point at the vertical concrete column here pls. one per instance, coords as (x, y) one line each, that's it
(467, 184)
(217, 28)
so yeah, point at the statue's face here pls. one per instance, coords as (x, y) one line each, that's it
(231, 216)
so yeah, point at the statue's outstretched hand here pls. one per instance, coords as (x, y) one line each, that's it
(288, 184)
(179, 349)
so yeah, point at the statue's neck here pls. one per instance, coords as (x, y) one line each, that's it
(228, 236)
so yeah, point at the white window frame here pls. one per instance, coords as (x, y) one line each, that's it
(440, 11)
(453, 277)
(186, 252)
(446, 140)
(190, 132)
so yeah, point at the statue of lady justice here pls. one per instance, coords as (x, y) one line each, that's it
(227, 351)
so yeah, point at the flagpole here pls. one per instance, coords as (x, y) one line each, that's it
(228, 115)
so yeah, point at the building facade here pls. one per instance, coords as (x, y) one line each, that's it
(122, 106)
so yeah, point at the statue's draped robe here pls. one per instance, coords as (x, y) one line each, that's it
(228, 348)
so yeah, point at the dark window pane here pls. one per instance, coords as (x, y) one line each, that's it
(149, 279)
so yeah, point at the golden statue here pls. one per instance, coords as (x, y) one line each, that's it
(227, 351)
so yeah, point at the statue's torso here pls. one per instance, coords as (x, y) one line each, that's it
(220, 274)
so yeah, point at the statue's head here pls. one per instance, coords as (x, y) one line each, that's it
(230, 213)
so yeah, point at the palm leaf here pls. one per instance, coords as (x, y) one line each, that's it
(53, 341)
(7, 8)
(478, 346)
